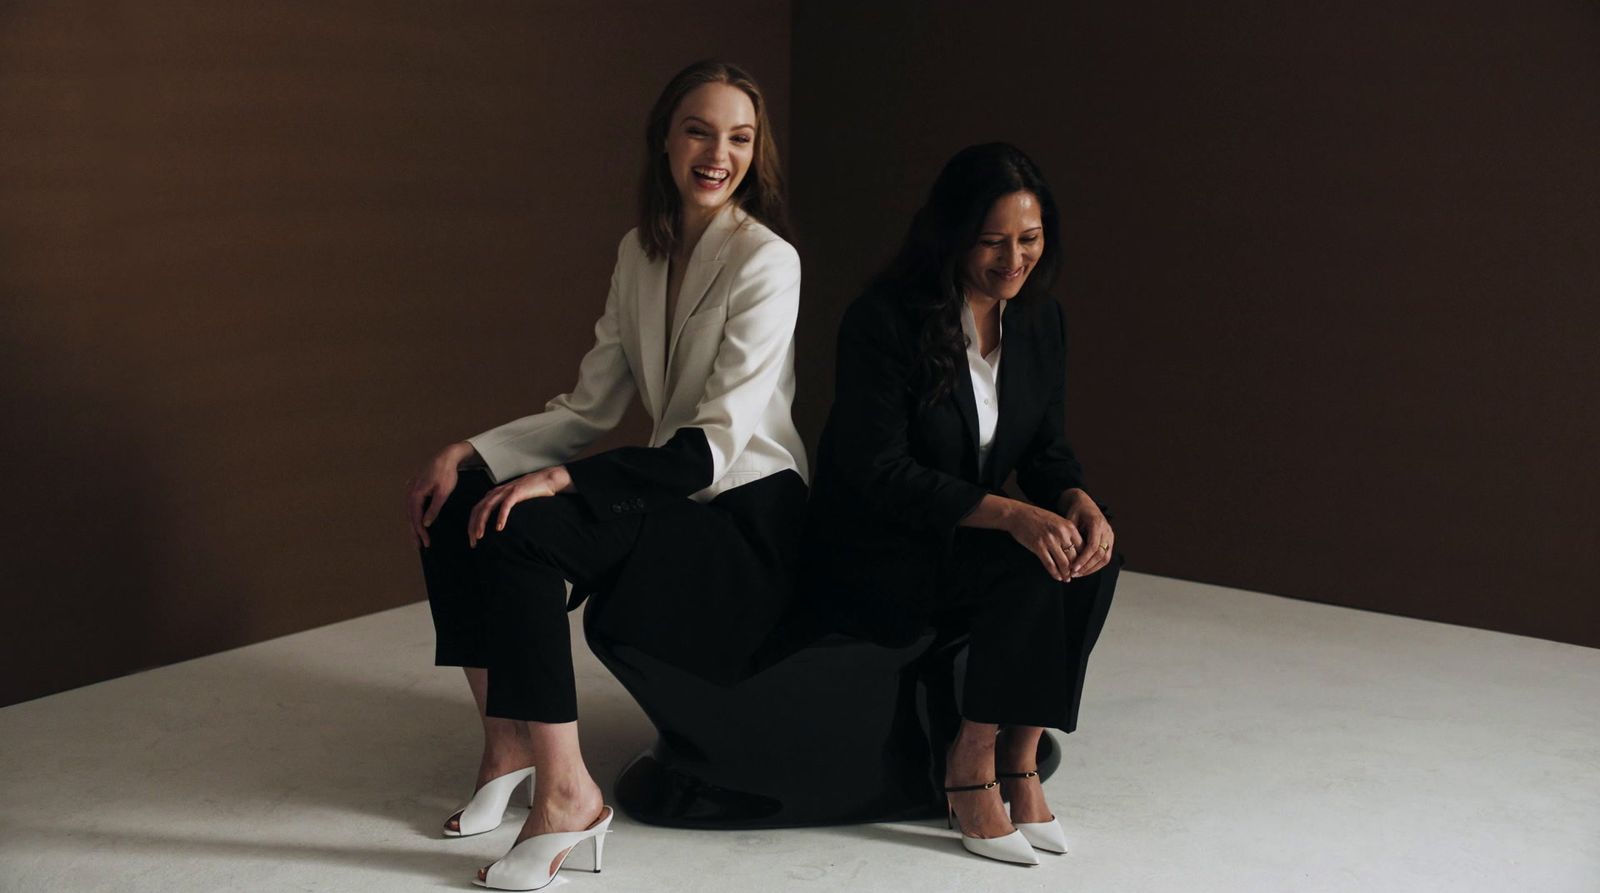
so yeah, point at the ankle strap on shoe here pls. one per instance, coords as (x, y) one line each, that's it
(971, 787)
(1029, 774)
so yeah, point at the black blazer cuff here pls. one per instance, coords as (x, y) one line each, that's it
(636, 480)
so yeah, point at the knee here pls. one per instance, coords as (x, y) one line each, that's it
(532, 528)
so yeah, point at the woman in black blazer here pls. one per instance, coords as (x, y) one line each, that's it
(949, 379)
(688, 540)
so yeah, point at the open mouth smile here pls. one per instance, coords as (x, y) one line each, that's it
(710, 177)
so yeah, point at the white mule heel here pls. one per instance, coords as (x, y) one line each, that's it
(1012, 847)
(533, 863)
(1046, 836)
(487, 808)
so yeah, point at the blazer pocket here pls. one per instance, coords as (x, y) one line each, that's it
(702, 318)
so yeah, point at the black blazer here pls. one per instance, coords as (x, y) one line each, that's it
(893, 480)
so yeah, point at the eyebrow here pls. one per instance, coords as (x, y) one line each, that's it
(991, 232)
(688, 118)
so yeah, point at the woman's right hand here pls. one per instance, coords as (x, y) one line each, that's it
(429, 489)
(1050, 537)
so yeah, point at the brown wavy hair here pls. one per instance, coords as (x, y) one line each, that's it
(760, 194)
(926, 273)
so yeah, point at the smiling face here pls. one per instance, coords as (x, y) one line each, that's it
(709, 145)
(1010, 242)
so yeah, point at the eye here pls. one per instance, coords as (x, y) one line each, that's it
(741, 139)
(695, 131)
(1030, 240)
(992, 243)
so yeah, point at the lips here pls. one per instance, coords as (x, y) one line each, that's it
(1008, 275)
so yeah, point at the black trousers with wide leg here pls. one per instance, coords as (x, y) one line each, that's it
(1030, 636)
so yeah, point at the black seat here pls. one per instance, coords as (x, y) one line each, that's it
(825, 729)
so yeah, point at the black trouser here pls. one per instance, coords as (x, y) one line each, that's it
(503, 605)
(1030, 635)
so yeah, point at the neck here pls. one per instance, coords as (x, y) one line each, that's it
(693, 222)
(982, 305)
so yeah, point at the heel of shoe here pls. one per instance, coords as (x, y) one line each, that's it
(599, 848)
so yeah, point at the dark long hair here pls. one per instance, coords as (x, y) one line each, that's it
(760, 194)
(926, 272)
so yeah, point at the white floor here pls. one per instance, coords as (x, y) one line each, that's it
(1230, 741)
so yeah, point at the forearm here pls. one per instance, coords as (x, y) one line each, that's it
(993, 512)
(1070, 497)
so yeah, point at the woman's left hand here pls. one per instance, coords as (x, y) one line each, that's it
(1098, 538)
(498, 502)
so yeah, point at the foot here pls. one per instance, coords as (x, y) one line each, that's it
(499, 758)
(981, 812)
(1028, 805)
(558, 808)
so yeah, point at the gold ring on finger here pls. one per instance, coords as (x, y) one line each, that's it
(1105, 547)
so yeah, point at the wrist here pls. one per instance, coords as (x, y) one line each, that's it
(1071, 497)
(458, 454)
(561, 480)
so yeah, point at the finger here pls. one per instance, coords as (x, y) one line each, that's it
(1042, 552)
(1071, 534)
(418, 530)
(480, 515)
(1099, 557)
(1064, 559)
(437, 496)
(505, 511)
(1085, 559)
(1050, 553)
(1105, 540)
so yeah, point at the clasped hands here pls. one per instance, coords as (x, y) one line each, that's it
(1073, 543)
(433, 486)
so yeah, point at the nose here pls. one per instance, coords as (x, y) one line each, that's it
(1014, 255)
(724, 152)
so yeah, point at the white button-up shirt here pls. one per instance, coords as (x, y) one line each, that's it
(985, 372)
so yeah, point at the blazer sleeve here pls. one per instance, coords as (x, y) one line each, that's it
(871, 422)
(573, 420)
(1048, 467)
(756, 347)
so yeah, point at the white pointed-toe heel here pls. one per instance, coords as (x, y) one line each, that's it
(1046, 836)
(533, 863)
(487, 808)
(1012, 847)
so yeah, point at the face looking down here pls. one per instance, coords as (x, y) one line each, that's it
(710, 144)
(1010, 242)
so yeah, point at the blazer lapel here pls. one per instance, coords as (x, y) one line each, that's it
(968, 405)
(652, 311)
(1016, 359)
(705, 262)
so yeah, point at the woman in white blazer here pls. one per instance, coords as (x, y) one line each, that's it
(690, 538)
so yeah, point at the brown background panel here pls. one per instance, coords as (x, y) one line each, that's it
(1331, 273)
(257, 262)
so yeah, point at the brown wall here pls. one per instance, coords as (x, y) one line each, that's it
(1332, 273)
(257, 261)
(1331, 281)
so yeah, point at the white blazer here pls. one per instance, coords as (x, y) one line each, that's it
(729, 370)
